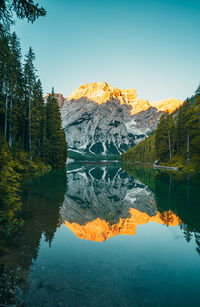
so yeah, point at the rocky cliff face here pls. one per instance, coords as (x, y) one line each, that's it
(99, 119)
(101, 92)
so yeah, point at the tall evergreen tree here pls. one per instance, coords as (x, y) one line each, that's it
(164, 140)
(181, 131)
(22, 112)
(37, 130)
(4, 79)
(16, 91)
(55, 134)
(30, 81)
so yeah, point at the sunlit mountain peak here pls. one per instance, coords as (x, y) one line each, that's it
(102, 92)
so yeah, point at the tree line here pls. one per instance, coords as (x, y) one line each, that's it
(31, 137)
(176, 139)
(142, 152)
(26, 122)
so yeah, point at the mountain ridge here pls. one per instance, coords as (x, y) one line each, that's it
(102, 92)
(102, 120)
(176, 140)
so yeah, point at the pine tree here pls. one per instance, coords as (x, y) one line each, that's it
(181, 132)
(164, 141)
(22, 8)
(30, 81)
(55, 134)
(197, 92)
(4, 79)
(22, 113)
(142, 152)
(36, 118)
(193, 129)
(16, 91)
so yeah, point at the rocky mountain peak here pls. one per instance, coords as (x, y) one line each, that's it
(167, 105)
(100, 119)
(102, 92)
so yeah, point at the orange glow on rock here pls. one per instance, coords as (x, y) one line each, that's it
(101, 92)
(168, 105)
(100, 230)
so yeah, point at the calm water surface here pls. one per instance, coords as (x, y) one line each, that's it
(97, 235)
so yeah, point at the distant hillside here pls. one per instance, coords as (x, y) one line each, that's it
(176, 141)
(143, 152)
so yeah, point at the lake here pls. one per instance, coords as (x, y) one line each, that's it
(100, 235)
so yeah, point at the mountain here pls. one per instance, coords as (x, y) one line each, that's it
(99, 119)
(176, 140)
(119, 204)
(167, 105)
(101, 92)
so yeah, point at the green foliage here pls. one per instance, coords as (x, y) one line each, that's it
(187, 133)
(14, 166)
(55, 135)
(26, 167)
(25, 120)
(9, 190)
(164, 138)
(175, 142)
(143, 152)
(32, 140)
(22, 8)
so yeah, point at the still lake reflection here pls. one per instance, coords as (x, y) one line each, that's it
(102, 236)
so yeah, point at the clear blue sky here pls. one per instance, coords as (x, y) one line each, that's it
(150, 45)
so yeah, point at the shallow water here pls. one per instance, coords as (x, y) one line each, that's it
(98, 235)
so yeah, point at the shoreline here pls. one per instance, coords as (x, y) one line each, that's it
(172, 168)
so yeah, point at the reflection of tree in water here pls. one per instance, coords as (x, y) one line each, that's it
(176, 192)
(42, 198)
(197, 239)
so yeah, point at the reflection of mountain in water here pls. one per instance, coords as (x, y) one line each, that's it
(105, 201)
(176, 192)
(100, 230)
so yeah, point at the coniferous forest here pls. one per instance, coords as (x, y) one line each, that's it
(176, 140)
(31, 137)
(82, 222)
